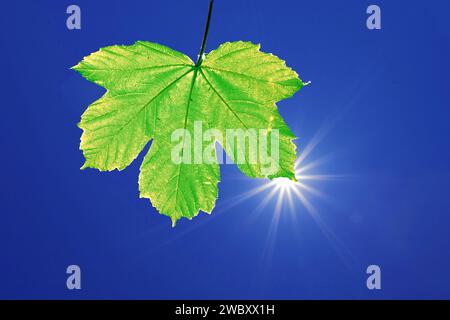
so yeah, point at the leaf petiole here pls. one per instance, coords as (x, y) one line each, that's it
(205, 36)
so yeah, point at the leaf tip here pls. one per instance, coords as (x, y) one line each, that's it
(75, 67)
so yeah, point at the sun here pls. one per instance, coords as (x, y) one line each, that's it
(294, 194)
(283, 184)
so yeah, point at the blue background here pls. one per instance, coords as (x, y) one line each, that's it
(377, 110)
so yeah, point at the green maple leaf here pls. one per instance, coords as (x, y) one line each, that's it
(153, 90)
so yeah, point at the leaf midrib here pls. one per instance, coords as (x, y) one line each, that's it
(194, 78)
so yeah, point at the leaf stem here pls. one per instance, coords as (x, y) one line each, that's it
(205, 36)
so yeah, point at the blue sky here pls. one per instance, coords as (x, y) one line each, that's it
(375, 120)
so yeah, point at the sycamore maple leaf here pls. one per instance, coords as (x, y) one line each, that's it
(153, 90)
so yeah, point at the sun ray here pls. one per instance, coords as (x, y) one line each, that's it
(312, 191)
(312, 164)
